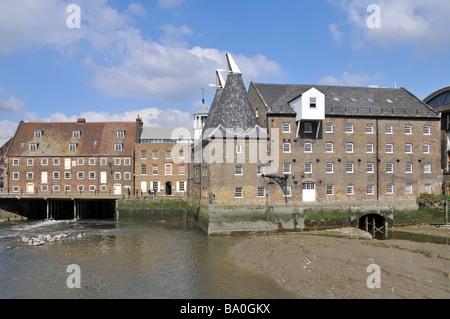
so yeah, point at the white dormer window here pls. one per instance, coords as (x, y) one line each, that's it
(72, 147)
(38, 134)
(121, 134)
(118, 147)
(313, 102)
(33, 147)
(76, 134)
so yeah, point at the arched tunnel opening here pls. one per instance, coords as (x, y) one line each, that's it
(374, 224)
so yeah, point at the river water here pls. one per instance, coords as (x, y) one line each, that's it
(125, 259)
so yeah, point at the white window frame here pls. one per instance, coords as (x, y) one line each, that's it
(369, 128)
(389, 168)
(369, 148)
(427, 168)
(329, 147)
(426, 149)
(349, 128)
(238, 192)
(287, 165)
(370, 189)
(308, 168)
(349, 148)
(286, 128)
(258, 193)
(390, 189)
(287, 148)
(389, 129)
(370, 168)
(329, 128)
(350, 190)
(408, 129)
(329, 168)
(426, 130)
(408, 148)
(238, 170)
(350, 168)
(389, 148)
(328, 188)
(409, 168)
(308, 147)
(409, 189)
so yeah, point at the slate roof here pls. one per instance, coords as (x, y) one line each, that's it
(96, 139)
(439, 98)
(348, 101)
(165, 133)
(202, 110)
(233, 111)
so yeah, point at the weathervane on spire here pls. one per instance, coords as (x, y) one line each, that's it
(203, 95)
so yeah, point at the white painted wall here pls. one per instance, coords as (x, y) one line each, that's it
(301, 106)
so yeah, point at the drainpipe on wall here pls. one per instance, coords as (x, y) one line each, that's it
(378, 165)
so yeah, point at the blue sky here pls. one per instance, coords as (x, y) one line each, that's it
(153, 57)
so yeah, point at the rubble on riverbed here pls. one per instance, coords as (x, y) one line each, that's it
(45, 239)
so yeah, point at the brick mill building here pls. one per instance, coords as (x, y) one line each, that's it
(322, 143)
(341, 143)
(74, 158)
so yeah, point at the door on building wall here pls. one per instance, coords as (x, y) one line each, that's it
(168, 188)
(103, 177)
(30, 188)
(117, 189)
(309, 192)
(144, 187)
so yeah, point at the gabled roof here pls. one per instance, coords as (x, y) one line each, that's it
(96, 139)
(348, 101)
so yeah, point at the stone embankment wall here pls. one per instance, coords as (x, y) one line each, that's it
(226, 219)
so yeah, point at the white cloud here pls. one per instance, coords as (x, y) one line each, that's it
(150, 117)
(7, 128)
(168, 4)
(12, 105)
(137, 9)
(123, 62)
(424, 23)
(357, 79)
(337, 35)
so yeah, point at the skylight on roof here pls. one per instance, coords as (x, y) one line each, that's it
(336, 99)
(370, 100)
(389, 101)
(353, 99)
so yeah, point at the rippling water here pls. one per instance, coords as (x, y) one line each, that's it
(121, 259)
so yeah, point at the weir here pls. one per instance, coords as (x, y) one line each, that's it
(61, 209)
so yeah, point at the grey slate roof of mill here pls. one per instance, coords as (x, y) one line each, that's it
(233, 111)
(166, 133)
(367, 101)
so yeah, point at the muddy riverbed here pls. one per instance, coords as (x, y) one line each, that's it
(336, 264)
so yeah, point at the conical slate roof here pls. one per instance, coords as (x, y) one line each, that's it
(233, 111)
(203, 109)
